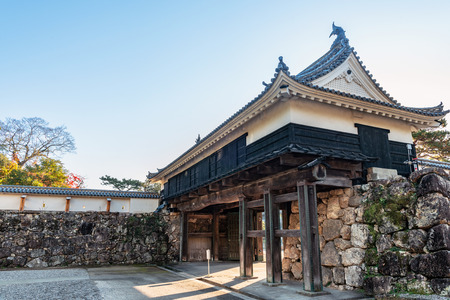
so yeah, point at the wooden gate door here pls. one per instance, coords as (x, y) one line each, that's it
(233, 236)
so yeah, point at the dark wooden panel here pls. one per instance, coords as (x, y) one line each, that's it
(197, 248)
(233, 236)
(374, 142)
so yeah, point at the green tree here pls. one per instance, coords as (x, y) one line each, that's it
(123, 184)
(29, 139)
(433, 143)
(46, 172)
(151, 187)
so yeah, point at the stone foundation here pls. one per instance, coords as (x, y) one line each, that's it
(387, 236)
(48, 239)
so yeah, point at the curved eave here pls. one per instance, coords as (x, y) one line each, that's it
(265, 99)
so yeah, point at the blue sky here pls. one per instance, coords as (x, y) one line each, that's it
(135, 82)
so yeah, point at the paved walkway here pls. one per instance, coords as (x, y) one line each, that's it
(181, 281)
(223, 274)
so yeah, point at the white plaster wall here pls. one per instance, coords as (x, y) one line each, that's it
(120, 205)
(10, 202)
(309, 113)
(138, 205)
(45, 203)
(87, 204)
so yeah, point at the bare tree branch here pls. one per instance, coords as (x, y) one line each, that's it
(28, 139)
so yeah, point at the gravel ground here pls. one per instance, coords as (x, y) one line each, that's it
(47, 284)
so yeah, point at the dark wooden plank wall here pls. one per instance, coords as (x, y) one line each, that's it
(370, 141)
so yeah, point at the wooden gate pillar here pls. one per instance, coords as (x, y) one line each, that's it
(273, 243)
(245, 243)
(216, 235)
(183, 237)
(309, 233)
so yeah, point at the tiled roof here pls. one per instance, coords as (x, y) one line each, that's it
(433, 163)
(339, 52)
(20, 189)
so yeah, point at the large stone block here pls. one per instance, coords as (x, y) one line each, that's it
(431, 210)
(331, 229)
(342, 244)
(417, 239)
(393, 264)
(339, 275)
(354, 276)
(433, 183)
(327, 276)
(353, 256)
(355, 201)
(377, 285)
(349, 216)
(432, 265)
(346, 232)
(330, 256)
(360, 235)
(439, 238)
(333, 208)
(401, 239)
(383, 243)
(297, 270)
(441, 286)
(380, 173)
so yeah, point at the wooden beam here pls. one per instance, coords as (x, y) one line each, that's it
(256, 233)
(256, 188)
(214, 187)
(202, 191)
(200, 234)
(183, 237)
(245, 176)
(256, 203)
(289, 197)
(216, 235)
(245, 243)
(22, 202)
(312, 272)
(273, 243)
(108, 204)
(228, 182)
(193, 195)
(287, 233)
(290, 160)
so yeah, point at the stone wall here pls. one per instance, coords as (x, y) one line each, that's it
(388, 236)
(48, 239)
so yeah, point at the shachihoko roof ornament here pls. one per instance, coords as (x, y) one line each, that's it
(340, 36)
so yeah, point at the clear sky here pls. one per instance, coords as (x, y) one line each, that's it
(135, 82)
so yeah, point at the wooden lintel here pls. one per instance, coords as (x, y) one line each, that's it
(202, 191)
(279, 181)
(245, 176)
(200, 234)
(289, 197)
(335, 181)
(265, 170)
(255, 203)
(292, 161)
(287, 233)
(256, 233)
(228, 182)
(214, 187)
